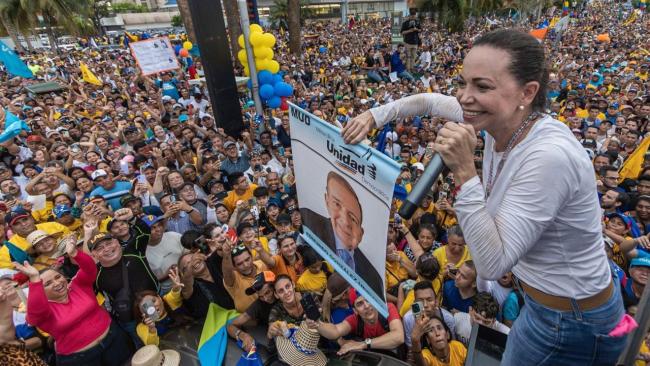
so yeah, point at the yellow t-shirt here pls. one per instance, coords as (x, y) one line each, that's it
(312, 282)
(239, 286)
(644, 349)
(457, 355)
(51, 228)
(231, 199)
(174, 300)
(45, 214)
(395, 272)
(441, 256)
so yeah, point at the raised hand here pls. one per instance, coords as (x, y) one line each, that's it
(177, 284)
(28, 271)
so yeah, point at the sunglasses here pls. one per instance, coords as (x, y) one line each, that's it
(238, 249)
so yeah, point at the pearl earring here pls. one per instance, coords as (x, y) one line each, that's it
(521, 107)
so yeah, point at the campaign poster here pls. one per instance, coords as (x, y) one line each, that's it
(154, 55)
(345, 194)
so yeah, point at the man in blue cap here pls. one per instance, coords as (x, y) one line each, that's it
(635, 284)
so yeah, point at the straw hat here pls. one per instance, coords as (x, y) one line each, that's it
(151, 355)
(301, 348)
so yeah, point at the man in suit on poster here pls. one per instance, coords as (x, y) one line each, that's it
(342, 231)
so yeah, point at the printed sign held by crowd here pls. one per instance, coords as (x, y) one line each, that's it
(154, 55)
(345, 193)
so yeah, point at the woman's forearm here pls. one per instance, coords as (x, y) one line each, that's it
(432, 104)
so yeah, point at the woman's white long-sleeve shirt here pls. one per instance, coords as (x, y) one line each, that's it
(542, 219)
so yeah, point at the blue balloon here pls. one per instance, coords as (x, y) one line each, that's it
(250, 84)
(322, 49)
(283, 89)
(274, 102)
(266, 91)
(277, 78)
(265, 77)
(177, 49)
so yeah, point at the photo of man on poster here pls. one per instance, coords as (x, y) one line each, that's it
(342, 231)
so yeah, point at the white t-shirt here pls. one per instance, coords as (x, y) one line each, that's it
(162, 256)
(542, 219)
(464, 327)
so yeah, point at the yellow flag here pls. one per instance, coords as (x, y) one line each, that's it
(632, 166)
(88, 75)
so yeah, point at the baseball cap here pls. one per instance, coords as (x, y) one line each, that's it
(183, 118)
(261, 279)
(284, 219)
(16, 214)
(243, 226)
(166, 98)
(229, 144)
(98, 239)
(98, 174)
(60, 210)
(150, 220)
(418, 166)
(127, 198)
(35, 236)
(34, 138)
(640, 262)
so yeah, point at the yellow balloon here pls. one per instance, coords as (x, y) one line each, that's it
(256, 39)
(240, 40)
(241, 55)
(263, 52)
(269, 40)
(273, 66)
(256, 28)
(247, 71)
(187, 45)
(262, 64)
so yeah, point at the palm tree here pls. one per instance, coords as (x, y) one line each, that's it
(15, 21)
(451, 14)
(186, 15)
(70, 15)
(485, 6)
(234, 29)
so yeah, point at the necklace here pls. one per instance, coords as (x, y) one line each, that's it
(511, 144)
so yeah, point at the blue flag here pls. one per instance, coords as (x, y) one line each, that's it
(14, 64)
(13, 127)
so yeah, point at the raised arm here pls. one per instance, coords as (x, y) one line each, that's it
(432, 104)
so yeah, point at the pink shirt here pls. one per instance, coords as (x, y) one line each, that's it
(74, 324)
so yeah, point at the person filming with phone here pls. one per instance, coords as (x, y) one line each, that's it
(535, 212)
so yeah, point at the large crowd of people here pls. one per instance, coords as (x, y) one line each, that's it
(127, 210)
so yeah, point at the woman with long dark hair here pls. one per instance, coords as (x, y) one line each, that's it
(535, 212)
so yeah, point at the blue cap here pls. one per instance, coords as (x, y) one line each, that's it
(581, 86)
(150, 220)
(250, 103)
(640, 262)
(183, 118)
(107, 119)
(15, 214)
(60, 210)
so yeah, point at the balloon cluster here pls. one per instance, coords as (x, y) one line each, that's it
(262, 44)
(185, 51)
(273, 90)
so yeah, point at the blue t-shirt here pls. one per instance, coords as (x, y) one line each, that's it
(511, 307)
(452, 300)
(169, 88)
(396, 63)
(113, 195)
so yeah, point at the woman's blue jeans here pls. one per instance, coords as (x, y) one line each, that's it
(543, 336)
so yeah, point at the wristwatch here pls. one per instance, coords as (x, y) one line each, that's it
(368, 343)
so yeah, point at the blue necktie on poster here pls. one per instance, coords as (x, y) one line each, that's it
(345, 194)
(13, 63)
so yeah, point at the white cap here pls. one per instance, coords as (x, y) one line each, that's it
(98, 173)
(418, 166)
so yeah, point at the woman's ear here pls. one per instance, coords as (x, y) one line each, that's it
(530, 90)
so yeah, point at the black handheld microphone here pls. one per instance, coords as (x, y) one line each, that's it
(419, 191)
